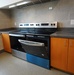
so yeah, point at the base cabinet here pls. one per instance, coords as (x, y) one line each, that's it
(71, 56)
(62, 54)
(6, 42)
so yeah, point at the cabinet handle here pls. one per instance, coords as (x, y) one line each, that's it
(65, 43)
(70, 43)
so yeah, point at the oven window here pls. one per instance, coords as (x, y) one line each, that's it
(15, 43)
(36, 46)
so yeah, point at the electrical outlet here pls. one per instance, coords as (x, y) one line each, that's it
(50, 8)
(72, 22)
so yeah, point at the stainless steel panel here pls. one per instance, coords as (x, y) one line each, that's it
(31, 43)
(16, 35)
(19, 54)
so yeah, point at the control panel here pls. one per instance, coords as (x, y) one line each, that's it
(38, 25)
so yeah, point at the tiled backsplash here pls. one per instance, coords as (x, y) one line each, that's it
(62, 11)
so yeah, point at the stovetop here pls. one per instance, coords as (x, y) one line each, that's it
(44, 31)
(36, 28)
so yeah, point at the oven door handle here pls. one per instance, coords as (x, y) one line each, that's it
(31, 43)
(16, 35)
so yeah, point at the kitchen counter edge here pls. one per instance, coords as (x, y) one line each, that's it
(59, 34)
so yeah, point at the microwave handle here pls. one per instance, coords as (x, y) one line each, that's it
(30, 43)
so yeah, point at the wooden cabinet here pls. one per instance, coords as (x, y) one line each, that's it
(62, 54)
(6, 42)
(59, 53)
(71, 56)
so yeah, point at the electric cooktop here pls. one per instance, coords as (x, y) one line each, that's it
(36, 28)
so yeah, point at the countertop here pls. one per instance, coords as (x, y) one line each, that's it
(63, 34)
(7, 30)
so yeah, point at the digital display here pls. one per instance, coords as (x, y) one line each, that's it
(31, 24)
(44, 24)
(21, 25)
(26, 24)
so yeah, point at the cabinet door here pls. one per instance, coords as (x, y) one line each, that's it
(6, 42)
(59, 48)
(71, 56)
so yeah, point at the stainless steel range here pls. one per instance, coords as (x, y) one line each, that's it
(31, 42)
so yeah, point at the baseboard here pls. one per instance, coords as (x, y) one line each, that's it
(1, 51)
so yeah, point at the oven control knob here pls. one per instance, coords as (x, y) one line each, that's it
(42, 54)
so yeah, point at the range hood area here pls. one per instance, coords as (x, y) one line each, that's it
(23, 3)
(32, 2)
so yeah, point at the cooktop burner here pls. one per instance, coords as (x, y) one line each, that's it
(26, 33)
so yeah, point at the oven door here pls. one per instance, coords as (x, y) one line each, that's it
(15, 45)
(34, 46)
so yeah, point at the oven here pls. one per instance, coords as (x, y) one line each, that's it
(16, 47)
(37, 50)
(32, 48)
(32, 42)
(36, 45)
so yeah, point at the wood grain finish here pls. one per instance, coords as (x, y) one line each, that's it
(59, 48)
(71, 56)
(6, 42)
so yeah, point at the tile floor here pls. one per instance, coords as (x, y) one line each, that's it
(10, 65)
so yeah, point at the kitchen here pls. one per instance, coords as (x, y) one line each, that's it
(60, 11)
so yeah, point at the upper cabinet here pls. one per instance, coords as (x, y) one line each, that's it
(4, 3)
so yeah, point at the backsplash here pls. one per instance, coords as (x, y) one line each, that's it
(62, 11)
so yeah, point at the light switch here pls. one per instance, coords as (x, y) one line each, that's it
(72, 22)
